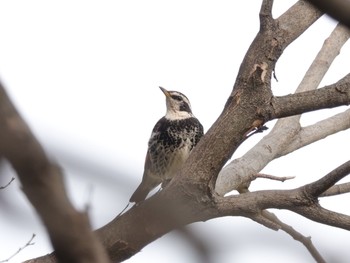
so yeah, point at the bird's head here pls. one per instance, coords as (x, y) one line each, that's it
(177, 105)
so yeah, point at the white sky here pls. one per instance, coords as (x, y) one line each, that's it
(85, 75)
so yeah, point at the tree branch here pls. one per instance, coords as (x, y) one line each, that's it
(302, 200)
(272, 177)
(306, 241)
(317, 131)
(6, 185)
(337, 190)
(266, 14)
(330, 96)
(329, 51)
(324, 216)
(251, 203)
(294, 20)
(315, 189)
(42, 183)
(29, 243)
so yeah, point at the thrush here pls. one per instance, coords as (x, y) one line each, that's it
(172, 140)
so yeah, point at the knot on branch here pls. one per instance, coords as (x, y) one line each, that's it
(343, 88)
(309, 196)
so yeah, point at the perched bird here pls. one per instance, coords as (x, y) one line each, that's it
(172, 139)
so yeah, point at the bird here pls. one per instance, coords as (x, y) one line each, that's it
(171, 142)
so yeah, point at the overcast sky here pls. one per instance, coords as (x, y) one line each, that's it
(85, 75)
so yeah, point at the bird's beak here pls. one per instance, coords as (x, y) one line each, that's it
(166, 93)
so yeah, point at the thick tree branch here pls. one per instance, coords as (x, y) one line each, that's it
(330, 96)
(302, 12)
(42, 183)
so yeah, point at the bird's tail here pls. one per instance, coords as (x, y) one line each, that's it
(140, 193)
(147, 185)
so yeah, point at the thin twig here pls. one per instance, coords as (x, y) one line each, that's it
(270, 220)
(272, 177)
(306, 241)
(29, 243)
(3, 187)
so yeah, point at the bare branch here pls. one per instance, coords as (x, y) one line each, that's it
(295, 200)
(306, 241)
(337, 190)
(302, 200)
(318, 131)
(324, 59)
(6, 185)
(330, 96)
(301, 12)
(324, 216)
(315, 189)
(266, 14)
(29, 243)
(272, 177)
(43, 185)
(266, 7)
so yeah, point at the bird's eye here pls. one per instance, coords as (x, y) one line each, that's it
(178, 98)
